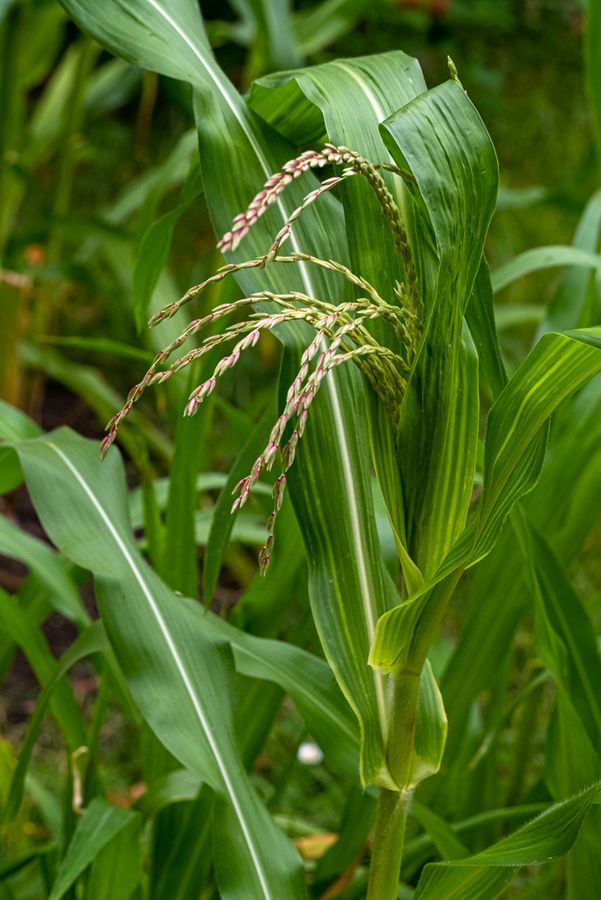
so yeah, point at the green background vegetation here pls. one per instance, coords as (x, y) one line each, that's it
(101, 217)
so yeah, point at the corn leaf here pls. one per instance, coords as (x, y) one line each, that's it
(565, 636)
(514, 452)
(177, 675)
(49, 568)
(577, 301)
(25, 634)
(116, 870)
(558, 366)
(441, 139)
(222, 522)
(542, 258)
(92, 640)
(100, 824)
(485, 875)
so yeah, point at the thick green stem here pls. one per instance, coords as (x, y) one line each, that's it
(387, 851)
(402, 727)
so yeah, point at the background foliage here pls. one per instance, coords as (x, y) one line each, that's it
(103, 219)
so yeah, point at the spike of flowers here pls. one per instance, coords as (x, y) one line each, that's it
(232, 268)
(275, 184)
(341, 334)
(300, 395)
(286, 229)
(356, 164)
(303, 401)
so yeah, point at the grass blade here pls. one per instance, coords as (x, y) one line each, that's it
(485, 875)
(178, 677)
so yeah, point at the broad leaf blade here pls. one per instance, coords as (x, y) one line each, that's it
(177, 675)
(483, 876)
(558, 366)
(166, 37)
(514, 453)
(441, 139)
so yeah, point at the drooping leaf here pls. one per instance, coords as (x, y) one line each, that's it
(177, 675)
(486, 874)
(542, 258)
(514, 451)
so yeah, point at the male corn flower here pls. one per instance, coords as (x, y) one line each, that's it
(341, 330)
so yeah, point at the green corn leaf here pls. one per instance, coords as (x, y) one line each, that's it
(99, 395)
(564, 507)
(345, 101)
(558, 366)
(542, 258)
(154, 249)
(442, 835)
(441, 139)
(92, 640)
(485, 875)
(100, 824)
(480, 317)
(50, 570)
(181, 851)
(99, 345)
(177, 786)
(310, 684)
(116, 870)
(566, 641)
(514, 452)
(167, 38)
(566, 638)
(12, 866)
(25, 634)
(14, 424)
(271, 24)
(577, 301)
(177, 674)
(179, 563)
(324, 23)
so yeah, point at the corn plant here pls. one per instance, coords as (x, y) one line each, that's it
(375, 281)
